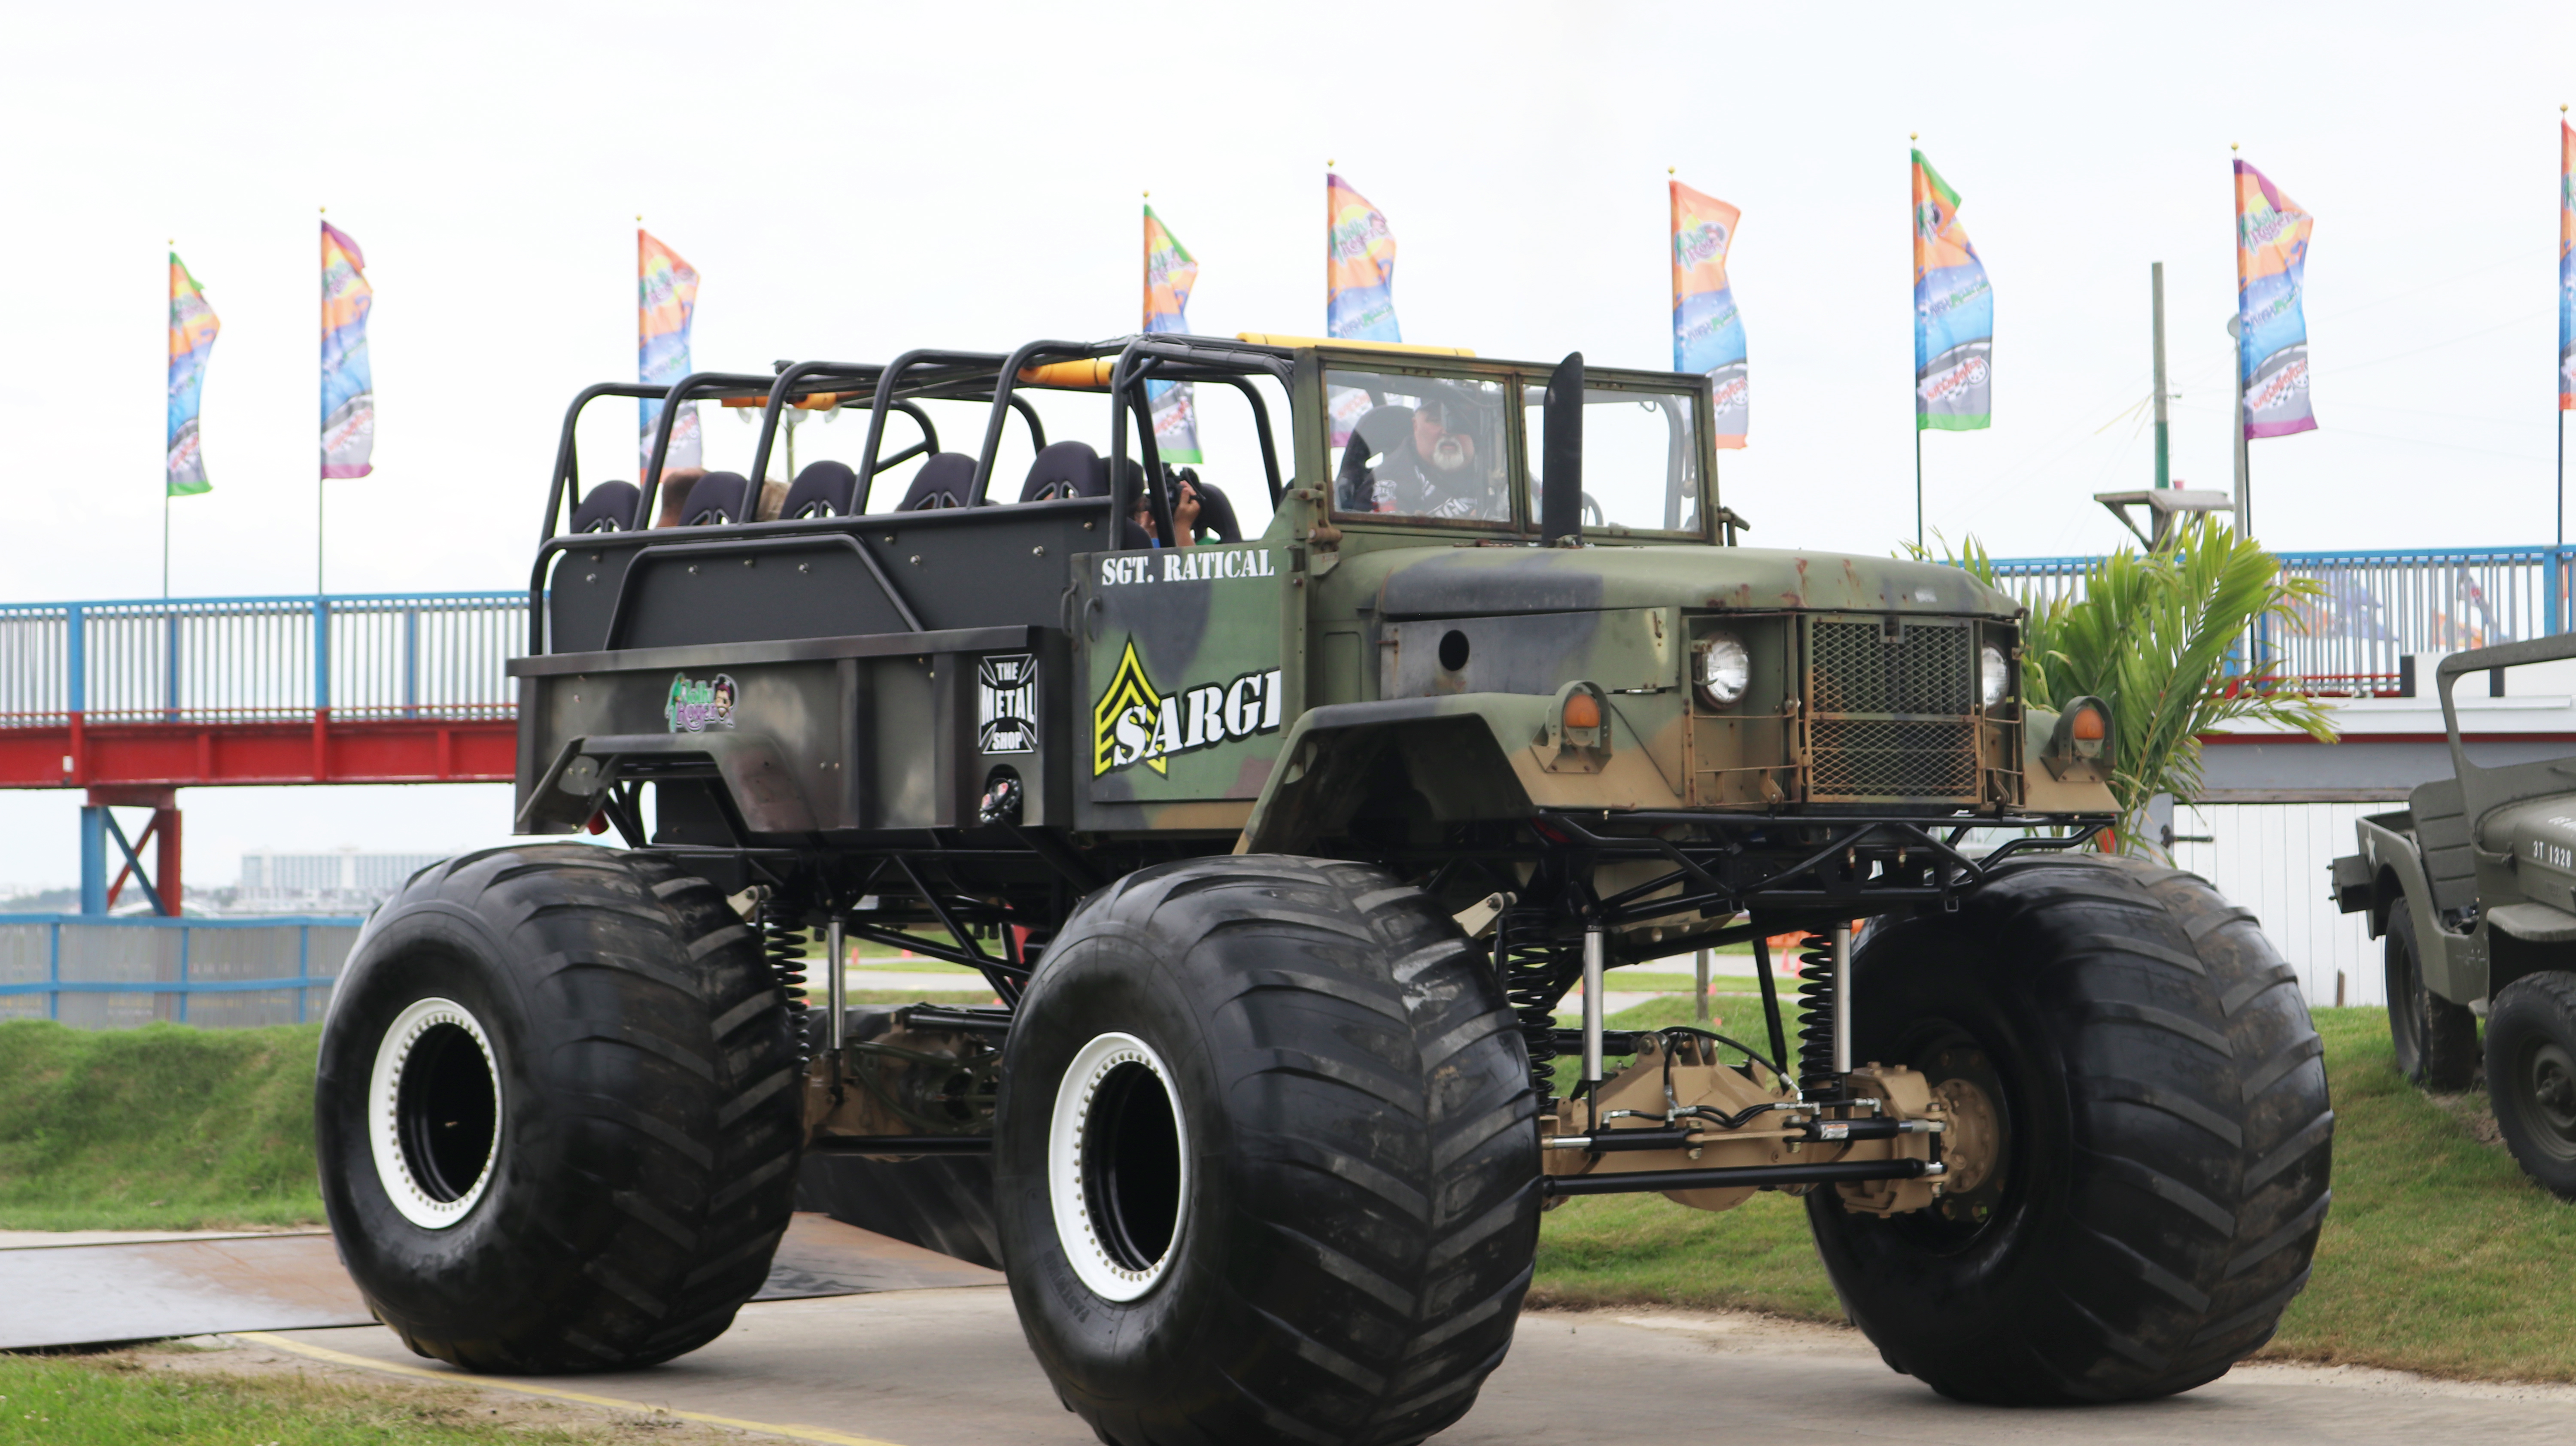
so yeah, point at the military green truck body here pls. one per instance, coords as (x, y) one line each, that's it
(1295, 861)
(1145, 697)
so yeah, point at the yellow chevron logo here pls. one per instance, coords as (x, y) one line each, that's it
(1123, 722)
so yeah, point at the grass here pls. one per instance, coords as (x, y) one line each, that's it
(2439, 1255)
(172, 1128)
(917, 996)
(145, 1398)
(159, 1128)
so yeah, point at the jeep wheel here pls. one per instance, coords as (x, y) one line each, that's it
(2160, 1176)
(1267, 1169)
(2436, 1041)
(2531, 1075)
(554, 1111)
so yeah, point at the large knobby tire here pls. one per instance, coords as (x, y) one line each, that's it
(2436, 1041)
(2531, 1075)
(2165, 1138)
(1267, 1169)
(555, 1111)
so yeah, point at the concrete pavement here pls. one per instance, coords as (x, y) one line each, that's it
(948, 1367)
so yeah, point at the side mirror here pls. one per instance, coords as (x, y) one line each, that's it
(1560, 518)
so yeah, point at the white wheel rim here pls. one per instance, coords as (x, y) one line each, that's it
(1089, 1242)
(417, 1197)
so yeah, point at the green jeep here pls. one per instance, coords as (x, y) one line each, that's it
(2472, 888)
(1280, 854)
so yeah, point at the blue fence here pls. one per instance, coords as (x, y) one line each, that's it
(256, 659)
(2377, 607)
(118, 972)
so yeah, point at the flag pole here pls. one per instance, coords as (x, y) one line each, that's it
(321, 477)
(165, 475)
(1914, 389)
(2236, 333)
(1328, 263)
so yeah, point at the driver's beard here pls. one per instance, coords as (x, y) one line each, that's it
(1451, 454)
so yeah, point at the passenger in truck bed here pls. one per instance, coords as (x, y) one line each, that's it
(1185, 511)
(675, 494)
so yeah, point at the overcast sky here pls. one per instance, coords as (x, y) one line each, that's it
(853, 180)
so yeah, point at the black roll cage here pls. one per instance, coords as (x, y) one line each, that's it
(927, 374)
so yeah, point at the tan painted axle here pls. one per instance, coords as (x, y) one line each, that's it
(1679, 1093)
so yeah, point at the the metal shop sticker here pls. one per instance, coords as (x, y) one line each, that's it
(1006, 703)
(695, 707)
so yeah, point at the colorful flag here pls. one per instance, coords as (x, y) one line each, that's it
(192, 339)
(1708, 332)
(1954, 314)
(2271, 314)
(348, 381)
(1169, 274)
(666, 300)
(2566, 267)
(1359, 267)
(1359, 289)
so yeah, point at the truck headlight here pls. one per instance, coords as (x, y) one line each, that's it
(1724, 669)
(1994, 674)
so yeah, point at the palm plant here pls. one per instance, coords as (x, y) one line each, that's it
(2163, 639)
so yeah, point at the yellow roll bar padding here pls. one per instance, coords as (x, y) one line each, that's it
(1089, 374)
(819, 402)
(1272, 338)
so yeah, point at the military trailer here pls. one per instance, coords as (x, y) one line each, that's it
(1281, 852)
(2472, 889)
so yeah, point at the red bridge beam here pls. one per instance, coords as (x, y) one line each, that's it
(314, 750)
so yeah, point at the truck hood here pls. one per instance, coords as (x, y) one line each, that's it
(1469, 581)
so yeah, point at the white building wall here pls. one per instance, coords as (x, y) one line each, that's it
(2272, 858)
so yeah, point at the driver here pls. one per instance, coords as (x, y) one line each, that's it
(1449, 465)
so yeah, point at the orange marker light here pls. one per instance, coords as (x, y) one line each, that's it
(1582, 711)
(2087, 726)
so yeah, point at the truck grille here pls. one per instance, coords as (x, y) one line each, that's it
(1891, 718)
(1853, 758)
(1926, 669)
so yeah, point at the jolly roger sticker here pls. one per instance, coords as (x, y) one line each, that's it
(1006, 703)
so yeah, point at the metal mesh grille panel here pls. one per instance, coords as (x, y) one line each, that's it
(1855, 669)
(1871, 758)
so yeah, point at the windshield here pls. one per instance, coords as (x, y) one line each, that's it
(1640, 458)
(1419, 446)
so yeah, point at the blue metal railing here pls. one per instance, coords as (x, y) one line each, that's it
(257, 659)
(440, 656)
(132, 969)
(2378, 606)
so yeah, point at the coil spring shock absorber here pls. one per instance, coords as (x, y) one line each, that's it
(1816, 986)
(1527, 963)
(782, 942)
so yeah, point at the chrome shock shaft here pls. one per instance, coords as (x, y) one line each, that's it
(837, 987)
(1842, 999)
(1592, 941)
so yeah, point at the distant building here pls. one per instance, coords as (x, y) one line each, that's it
(334, 883)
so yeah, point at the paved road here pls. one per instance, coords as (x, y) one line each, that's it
(949, 1368)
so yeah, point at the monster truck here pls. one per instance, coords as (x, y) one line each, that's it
(2472, 889)
(1280, 854)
